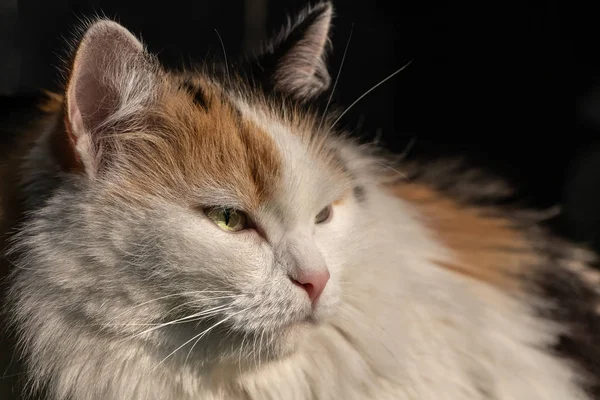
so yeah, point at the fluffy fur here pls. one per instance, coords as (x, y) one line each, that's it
(122, 288)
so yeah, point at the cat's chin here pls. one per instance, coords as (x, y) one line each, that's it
(272, 343)
(290, 338)
(287, 340)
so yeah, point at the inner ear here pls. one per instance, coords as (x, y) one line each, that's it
(112, 80)
(92, 99)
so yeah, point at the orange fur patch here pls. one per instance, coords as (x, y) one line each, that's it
(487, 247)
(186, 147)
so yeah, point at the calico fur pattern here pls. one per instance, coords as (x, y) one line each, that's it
(436, 291)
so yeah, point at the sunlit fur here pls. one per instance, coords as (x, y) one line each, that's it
(124, 289)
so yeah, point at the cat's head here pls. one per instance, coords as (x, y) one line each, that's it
(215, 202)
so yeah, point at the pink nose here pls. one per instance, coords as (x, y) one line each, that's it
(313, 282)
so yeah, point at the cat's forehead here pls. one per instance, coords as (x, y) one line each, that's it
(312, 168)
(232, 148)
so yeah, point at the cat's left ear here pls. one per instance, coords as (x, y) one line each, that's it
(295, 62)
(112, 83)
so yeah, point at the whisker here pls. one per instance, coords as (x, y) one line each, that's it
(172, 309)
(181, 294)
(189, 317)
(369, 91)
(204, 300)
(200, 335)
(194, 345)
(337, 77)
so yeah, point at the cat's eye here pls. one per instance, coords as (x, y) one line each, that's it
(228, 219)
(323, 215)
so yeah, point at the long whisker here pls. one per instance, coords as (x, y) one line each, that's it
(337, 77)
(369, 91)
(200, 335)
(187, 319)
(180, 294)
(194, 345)
(173, 309)
(233, 296)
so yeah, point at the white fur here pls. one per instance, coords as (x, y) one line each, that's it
(406, 328)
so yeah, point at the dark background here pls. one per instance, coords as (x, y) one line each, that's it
(494, 82)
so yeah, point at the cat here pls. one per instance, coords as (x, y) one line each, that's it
(211, 234)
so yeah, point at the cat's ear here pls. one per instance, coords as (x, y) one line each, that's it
(112, 81)
(295, 61)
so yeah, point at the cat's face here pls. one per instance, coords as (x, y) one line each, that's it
(204, 203)
(247, 229)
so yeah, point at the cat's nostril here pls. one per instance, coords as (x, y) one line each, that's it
(313, 283)
(308, 287)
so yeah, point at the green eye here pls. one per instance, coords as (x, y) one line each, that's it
(228, 219)
(323, 215)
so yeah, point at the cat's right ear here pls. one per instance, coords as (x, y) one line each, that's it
(294, 62)
(112, 81)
